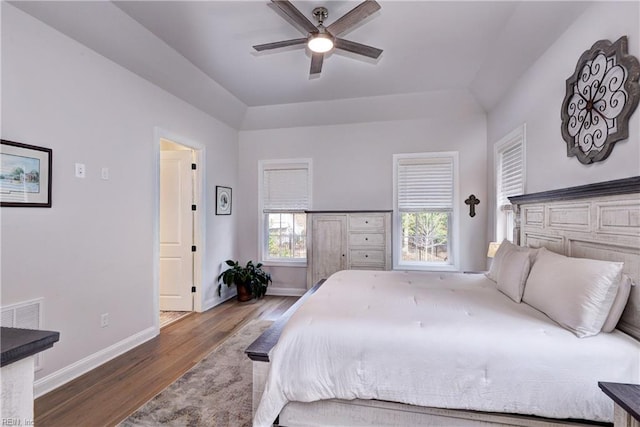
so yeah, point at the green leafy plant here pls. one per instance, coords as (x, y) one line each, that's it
(251, 278)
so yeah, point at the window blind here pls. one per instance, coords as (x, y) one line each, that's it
(425, 184)
(510, 173)
(285, 189)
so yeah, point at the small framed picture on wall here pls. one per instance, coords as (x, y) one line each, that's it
(25, 175)
(223, 200)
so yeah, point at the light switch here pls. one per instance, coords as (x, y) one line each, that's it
(80, 170)
(105, 173)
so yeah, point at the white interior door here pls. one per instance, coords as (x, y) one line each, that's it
(176, 230)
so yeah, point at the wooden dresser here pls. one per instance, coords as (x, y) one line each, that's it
(347, 240)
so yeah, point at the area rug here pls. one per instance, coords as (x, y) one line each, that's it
(215, 392)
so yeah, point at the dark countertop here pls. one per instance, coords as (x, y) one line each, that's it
(625, 395)
(18, 343)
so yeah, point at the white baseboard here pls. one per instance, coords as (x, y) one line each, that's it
(281, 292)
(68, 373)
(286, 292)
(210, 303)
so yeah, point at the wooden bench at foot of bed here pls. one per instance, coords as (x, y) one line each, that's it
(258, 351)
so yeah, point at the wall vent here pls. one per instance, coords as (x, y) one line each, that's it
(26, 315)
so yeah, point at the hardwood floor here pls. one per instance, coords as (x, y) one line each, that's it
(108, 394)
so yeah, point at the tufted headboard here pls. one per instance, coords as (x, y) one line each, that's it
(598, 221)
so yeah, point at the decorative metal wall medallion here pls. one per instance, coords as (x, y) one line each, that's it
(600, 97)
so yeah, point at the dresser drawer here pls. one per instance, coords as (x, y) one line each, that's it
(366, 222)
(366, 239)
(366, 257)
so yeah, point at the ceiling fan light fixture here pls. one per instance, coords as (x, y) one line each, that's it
(320, 40)
(320, 43)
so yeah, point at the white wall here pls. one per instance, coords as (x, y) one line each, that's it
(352, 169)
(92, 252)
(405, 106)
(537, 97)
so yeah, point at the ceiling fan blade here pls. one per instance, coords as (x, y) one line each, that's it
(296, 17)
(276, 45)
(360, 49)
(354, 16)
(316, 63)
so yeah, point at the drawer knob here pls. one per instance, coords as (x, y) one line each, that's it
(366, 222)
(366, 238)
(366, 256)
(342, 254)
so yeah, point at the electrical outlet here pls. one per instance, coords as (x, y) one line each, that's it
(80, 170)
(104, 320)
(105, 173)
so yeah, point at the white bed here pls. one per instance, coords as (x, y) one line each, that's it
(440, 340)
(475, 356)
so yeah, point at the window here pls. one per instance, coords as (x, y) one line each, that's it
(424, 210)
(285, 194)
(510, 171)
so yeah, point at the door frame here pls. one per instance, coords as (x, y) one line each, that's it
(199, 220)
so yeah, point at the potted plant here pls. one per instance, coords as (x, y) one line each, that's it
(250, 280)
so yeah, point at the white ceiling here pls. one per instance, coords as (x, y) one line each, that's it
(481, 46)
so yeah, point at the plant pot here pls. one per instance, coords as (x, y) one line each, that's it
(243, 294)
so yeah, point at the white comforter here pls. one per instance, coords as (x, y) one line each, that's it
(440, 340)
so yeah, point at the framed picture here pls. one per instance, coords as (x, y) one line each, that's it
(25, 175)
(223, 200)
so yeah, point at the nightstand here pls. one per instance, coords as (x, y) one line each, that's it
(626, 398)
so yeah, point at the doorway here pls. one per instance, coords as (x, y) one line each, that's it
(177, 230)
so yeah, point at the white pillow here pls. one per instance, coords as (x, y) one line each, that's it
(513, 273)
(575, 292)
(619, 303)
(505, 247)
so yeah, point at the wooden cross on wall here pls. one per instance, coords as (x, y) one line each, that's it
(472, 202)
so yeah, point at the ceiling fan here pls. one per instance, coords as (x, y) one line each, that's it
(320, 39)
